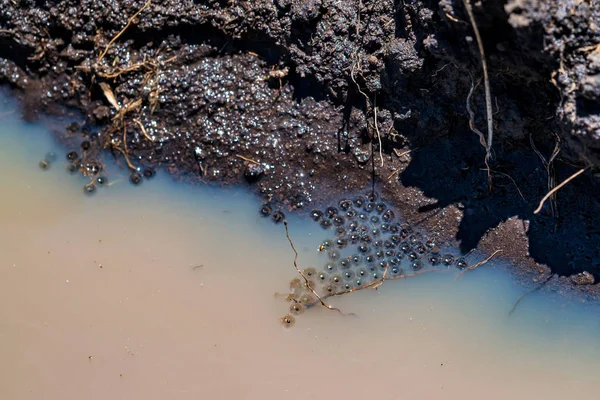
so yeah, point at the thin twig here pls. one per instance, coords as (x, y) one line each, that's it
(513, 181)
(472, 267)
(129, 21)
(550, 193)
(535, 289)
(306, 281)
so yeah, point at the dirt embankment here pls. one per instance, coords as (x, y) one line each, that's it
(295, 96)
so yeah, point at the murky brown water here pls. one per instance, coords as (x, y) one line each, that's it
(99, 299)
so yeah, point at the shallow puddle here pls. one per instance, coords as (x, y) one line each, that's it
(167, 291)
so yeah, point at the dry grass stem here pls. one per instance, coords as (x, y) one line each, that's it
(129, 21)
(486, 80)
(143, 129)
(248, 159)
(557, 188)
(306, 281)
(477, 131)
(378, 133)
(110, 96)
(479, 264)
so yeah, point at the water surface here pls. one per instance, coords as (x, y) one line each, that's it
(167, 291)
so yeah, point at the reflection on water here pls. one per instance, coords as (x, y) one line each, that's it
(167, 291)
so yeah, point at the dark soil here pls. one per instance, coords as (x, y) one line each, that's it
(296, 96)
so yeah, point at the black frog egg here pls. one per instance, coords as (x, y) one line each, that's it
(414, 239)
(413, 255)
(448, 259)
(335, 279)
(390, 253)
(395, 270)
(347, 286)
(265, 210)
(85, 145)
(322, 276)
(351, 214)
(288, 321)
(358, 282)
(380, 208)
(430, 243)
(369, 207)
(330, 267)
(72, 156)
(393, 261)
(278, 216)
(359, 202)
(366, 238)
(353, 226)
(378, 244)
(404, 233)
(348, 275)
(363, 248)
(384, 265)
(101, 180)
(461, 263)
(341, 243)
(370, 258)
(337, 220)
(135, 178)
(405, 247)
(417, 265)
(345, 204)
(420, 248)
(388, 216)
(344, 263)
(363, 216)
(354, 238)
(374, 219)
(362, 272)
(375, 232)
(395, 239)
(356, 259)
(340, 231)
(385, 227)
(325, 224)
(331, 212)
(310, 272)
(90, 188)
(380, 254)
(388, 244)
(297, 308)
(149, 173)
(316, 215)
(434, 258)
(394, 228)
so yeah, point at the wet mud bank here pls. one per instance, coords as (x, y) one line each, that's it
(308, 101)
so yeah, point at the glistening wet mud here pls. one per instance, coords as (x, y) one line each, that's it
(167, 291)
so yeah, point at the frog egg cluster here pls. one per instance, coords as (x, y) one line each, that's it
(368, 245)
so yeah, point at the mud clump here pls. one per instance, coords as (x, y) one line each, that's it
(325, 97)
